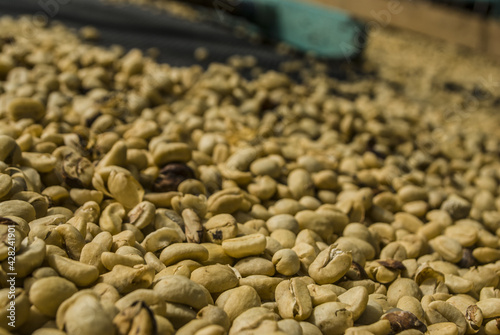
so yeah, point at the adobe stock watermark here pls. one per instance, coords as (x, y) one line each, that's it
(48, 10)
(225, 6)
(488, 88)
(11, 276)
(381, 19)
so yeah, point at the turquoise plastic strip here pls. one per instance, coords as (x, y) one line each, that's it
(320, 30)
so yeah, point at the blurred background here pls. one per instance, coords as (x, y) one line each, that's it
(272, 30)
(441, 49)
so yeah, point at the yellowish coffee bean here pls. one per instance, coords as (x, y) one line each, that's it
(236, 177)
(265, 166)
(448, 248)
(456, 206)
(412, 305)
(440, 216)
(489, 307)
(160, 239)
(486, 254)
(417, 208)
(465, 236)
(492, 326)
(430, 230)
(263, 187)
(151, 298)
(309, 328)
(360, 249)
(164, 153)
(112, 218)
(5, 184)
(402, 287)
(481, 277)
(42, 162)
(285, 237)
(25, 108)
(106, 292)
(489, 292)
(322, 293)
(458, 284)
(72, 239)
(10, 152)
(179, 314)
(306, 253)
(180, 251)
(124, 238)
(199, 326)
(294, 301)
(142, 215)
(18, 208)
(237, 300)
(164, 326)
(409, 220)
(216, 255)
(264, 285)
(317, 221)
(181, 290)
(300, 183)
(161, 199)
(79, 273)
(226, 201)
(91, 253)
(215, 278)
(255, 266)
(445, 328)
(48, 293)
(127, 279)
(249, 245)
(285, 206)
(135, 318)
(410, 193)
(81, 196)
(84, 308)
(109, 260)
(286, 262)
(330, 265)
(241, 159)
(125, 189)
(449, 313)
(290, 326)
(282, 221)
(220, 227)
(332, 318)
(169, 219)
(325, 179)
(384, 271)
(378, 328)
(357, 299)
(192, 225)
(79, 172)
(179, 269)
(474, 318)
(251, 319)
(486, 239)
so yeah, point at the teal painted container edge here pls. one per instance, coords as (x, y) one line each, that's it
(323, 31)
